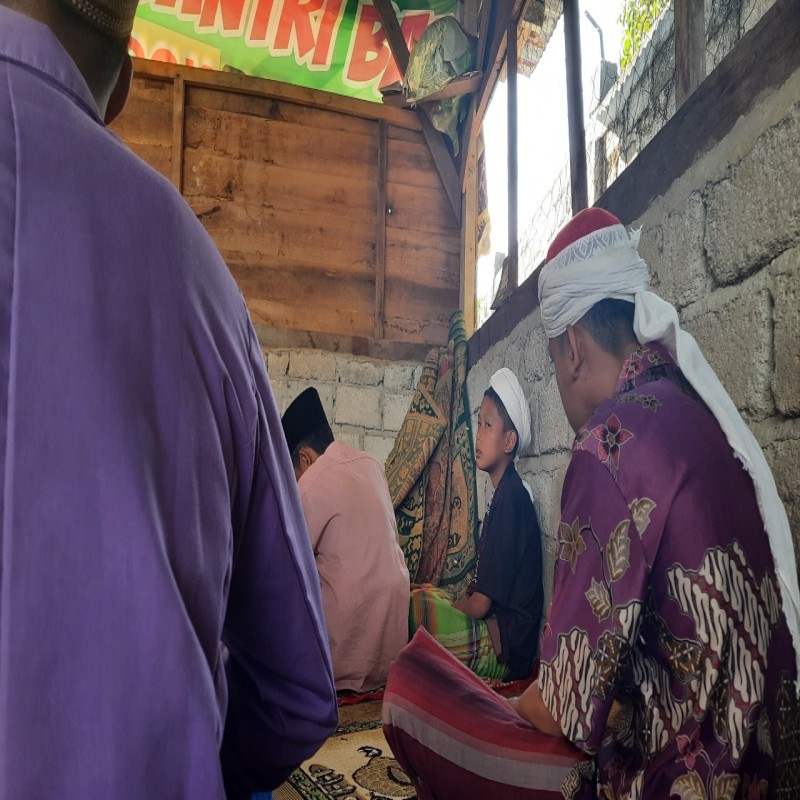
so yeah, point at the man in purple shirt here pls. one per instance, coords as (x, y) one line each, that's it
(670, 653)
(149, 508)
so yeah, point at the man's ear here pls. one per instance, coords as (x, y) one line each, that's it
(119, 94)
(575, 350)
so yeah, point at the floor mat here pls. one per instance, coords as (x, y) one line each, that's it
(355, 763)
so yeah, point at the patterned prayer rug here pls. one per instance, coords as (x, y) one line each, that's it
(431, 471)
(355, 763)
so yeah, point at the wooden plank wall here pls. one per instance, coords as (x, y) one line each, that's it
(328, 211)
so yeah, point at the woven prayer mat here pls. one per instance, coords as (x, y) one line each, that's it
(355, 763)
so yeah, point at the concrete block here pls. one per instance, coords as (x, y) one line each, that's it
(783, 457)
(754, 212)
(734, 331)
(313, 365)
(477, 383)
(786, 317)
(395, 408)
(378, 446)
(674, 253)
(546, 485)
(349, 435)
(277, 363)
(552, 432)
(360, 372)
(535, 362)
(358, 405)
(280, 393)
(398, 376)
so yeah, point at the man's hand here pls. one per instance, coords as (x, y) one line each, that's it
(530, 706)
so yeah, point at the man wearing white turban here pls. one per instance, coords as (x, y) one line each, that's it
(670, 649)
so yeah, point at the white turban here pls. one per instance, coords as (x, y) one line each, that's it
(606, 264)
(505, 383)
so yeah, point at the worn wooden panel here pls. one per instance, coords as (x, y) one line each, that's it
(209, 175)
(410, 162)
(278, 110)
(422, 257)
(146, 123)
(329, 304)
(285, 144)
(419, 208)
(421, 285)
(156, 155)
(274, 236)
(147, 117)
(292, 194)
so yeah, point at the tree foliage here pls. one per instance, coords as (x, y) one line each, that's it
(637, 18)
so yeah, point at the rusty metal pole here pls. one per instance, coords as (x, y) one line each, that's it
(577, 135)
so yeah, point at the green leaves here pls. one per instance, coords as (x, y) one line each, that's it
(637, 18)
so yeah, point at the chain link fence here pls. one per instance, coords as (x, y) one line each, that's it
(627, 110)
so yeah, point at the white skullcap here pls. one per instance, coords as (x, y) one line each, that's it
(505, 383)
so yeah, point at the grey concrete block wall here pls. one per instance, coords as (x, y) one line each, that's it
(786, 314)
(723, 245)
(365, 399)
(746, 227)
(734, 327)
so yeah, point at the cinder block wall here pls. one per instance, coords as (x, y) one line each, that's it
(723, 245)
(365, 399)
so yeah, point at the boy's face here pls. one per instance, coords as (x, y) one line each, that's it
(492, 443)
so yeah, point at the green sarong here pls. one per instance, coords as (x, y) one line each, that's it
(468, 639)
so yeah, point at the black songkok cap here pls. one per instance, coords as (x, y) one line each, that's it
(304, 415)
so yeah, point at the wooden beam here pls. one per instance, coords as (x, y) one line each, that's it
(441, 155)
(468, 83)
(494, 57)
(444, 163)
(394, 34)
(380, 221)
(469, 235)
(470, 21)
(470, 133)
(513, 159)
(178, 128)
(577, 136)
(274, 338)
(690, 48)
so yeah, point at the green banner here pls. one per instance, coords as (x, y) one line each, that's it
(335, 45)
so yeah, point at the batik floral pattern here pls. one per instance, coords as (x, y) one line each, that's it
(572, 543)
(611, 437)
(660, 645)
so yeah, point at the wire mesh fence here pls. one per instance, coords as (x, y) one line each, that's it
(624, 109)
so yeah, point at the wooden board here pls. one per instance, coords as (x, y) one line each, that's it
(294, 196)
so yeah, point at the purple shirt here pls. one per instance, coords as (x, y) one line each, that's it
(149, 509)
(666, 652)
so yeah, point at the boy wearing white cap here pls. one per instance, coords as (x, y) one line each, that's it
(493, 628)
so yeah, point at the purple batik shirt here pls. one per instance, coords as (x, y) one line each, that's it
(666, 653)
(149, 508)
